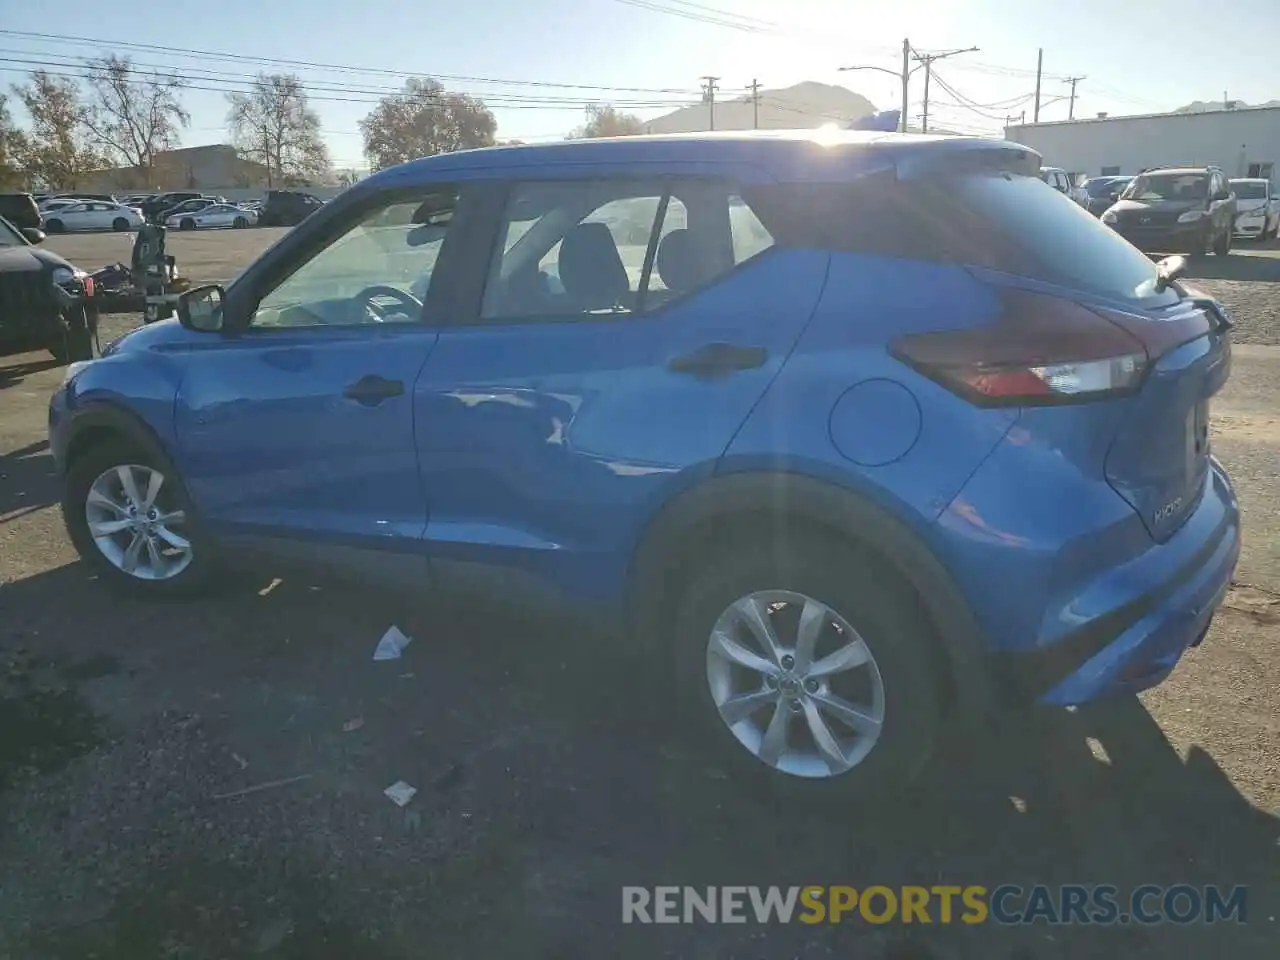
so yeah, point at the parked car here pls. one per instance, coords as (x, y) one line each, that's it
(214, 215)
(105, 197)
(154, 208)
(1176, 210)
(186, 206)
(43, 299)
(286, 208)
(1257, 208)
(94, 215)
(1103, 192)
(1065, 184)
(867, 433)
(20, 209)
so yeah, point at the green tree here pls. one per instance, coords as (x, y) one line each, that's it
(57, 151)
(422, 121)
(603, 120)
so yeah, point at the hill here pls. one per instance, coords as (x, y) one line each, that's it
(807, 104)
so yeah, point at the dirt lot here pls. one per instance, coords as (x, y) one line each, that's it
(548, 777)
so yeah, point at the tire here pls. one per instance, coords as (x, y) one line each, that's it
(1222, 245)
(74, 338)
(119, 224)
(878, 609)
(187, 224)
(54, 226)
(99, 467)
(240, 223)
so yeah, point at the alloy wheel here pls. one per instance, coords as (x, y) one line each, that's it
(795, 684)
(134, 520)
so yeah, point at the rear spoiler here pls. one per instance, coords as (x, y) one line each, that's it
(971, 155)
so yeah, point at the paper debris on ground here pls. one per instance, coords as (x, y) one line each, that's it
(353, 724)
(391, 644)
(400, 793)
(240, 760)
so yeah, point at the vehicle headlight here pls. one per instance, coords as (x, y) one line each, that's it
(1191, 216)
(64, 275)
(1109, 217)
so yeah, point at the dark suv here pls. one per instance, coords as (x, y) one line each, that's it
(1176, 210)
(287, 208)
(43, 299)
(20, 209)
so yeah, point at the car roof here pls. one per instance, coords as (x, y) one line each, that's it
(786, 154)
(1250, 180)
(1178, 170)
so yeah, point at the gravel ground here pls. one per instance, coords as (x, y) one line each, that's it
(547, 772)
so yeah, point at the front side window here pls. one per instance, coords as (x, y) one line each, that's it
(377, 271)
(614, 247)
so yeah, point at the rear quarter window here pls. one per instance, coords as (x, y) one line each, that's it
(1014, 224)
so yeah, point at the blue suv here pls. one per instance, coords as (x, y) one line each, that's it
(854, 432)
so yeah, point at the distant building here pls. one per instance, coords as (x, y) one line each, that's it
(1244, 142)
(215, 167)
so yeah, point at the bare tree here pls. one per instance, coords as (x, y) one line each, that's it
(134, 115)
(603, 120)
(57, 150)
(274, 125)
(12, 172)
(424, 120)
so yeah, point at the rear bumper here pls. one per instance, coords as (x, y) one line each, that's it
(1136, 644)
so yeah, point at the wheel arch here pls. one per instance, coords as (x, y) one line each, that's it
(683, 527)
(100, 422)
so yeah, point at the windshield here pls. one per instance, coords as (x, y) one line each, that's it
(9, 236)
(1153, 187)
(1249, 189)
(1101, 188)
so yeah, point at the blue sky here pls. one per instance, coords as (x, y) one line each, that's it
(1139, 56)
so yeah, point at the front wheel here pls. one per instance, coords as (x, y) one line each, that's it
(187, 224)
(808, 670)
(54, 226)
(119, 224)
(1222, 246)
(240, 223)
(130, 519)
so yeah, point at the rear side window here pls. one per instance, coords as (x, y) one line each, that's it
(1013, 224)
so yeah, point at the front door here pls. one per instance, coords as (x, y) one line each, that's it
(300, 427)
(620, 332)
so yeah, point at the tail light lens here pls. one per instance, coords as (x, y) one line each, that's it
(1043, 350)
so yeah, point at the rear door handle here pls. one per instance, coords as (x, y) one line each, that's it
(371, 389)
(717, 359)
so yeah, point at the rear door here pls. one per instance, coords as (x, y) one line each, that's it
(618, 331)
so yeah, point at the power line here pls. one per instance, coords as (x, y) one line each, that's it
(700, 14)
(99, 43)
(1071, 110)
(927, 60)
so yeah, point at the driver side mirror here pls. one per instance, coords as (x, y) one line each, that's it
(201, 309)
(33, 235)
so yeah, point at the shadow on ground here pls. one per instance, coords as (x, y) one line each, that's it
(1236, 267)
(550, 776)
(12, 374)
(26, 481)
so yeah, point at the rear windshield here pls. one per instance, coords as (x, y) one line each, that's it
(1100, 188)
(1168, 186)
(1245, 190)
(1014, 224)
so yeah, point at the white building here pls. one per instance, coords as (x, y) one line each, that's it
(1244, 142)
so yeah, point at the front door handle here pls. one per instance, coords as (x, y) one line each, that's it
(371, 389)
(717, 359)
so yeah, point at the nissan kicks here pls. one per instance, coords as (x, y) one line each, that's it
(856, 432)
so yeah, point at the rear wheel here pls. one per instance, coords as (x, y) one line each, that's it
(187, 224)
(807, 670)
(131, 521)
(119, 224)
(240, 223)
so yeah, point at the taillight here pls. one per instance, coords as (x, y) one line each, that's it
(1042, 350)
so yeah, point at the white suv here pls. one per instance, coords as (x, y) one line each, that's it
(1063, 182)
(1257, 208)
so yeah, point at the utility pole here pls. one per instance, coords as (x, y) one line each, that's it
(755, 105)
(906, 79)
(927, 60)
(1035, 117)
(709, 97)
(1071, 109)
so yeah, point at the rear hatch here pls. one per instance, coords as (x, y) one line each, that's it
(1160, 456)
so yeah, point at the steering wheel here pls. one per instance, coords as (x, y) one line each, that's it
(366, 297)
